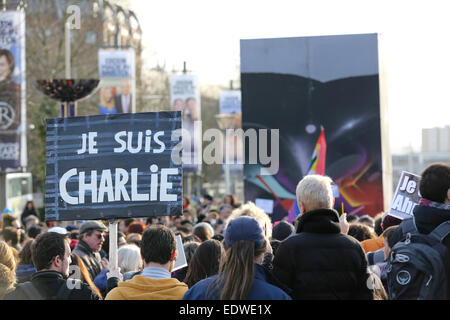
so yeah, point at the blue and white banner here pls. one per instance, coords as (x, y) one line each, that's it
(12, 90)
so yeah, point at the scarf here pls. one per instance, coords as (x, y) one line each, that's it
(438, 205)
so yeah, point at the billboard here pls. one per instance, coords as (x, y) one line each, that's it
(298, 85)
(185, 97)
(118, 81)
(113, 166)
(12, 90)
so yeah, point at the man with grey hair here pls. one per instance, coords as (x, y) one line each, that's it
(320, 261)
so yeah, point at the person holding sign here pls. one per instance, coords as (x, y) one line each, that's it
(92, 236)
(433, 211)
(158, 249)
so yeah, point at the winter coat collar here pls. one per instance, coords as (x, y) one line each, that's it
(49, 274)
(83, 246)
(319, 221)
(427, 218)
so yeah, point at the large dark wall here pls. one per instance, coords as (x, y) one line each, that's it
(347, 108)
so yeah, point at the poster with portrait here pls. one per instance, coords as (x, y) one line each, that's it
(185, 97)
(12, 90)
(118, 85)
(230, 104)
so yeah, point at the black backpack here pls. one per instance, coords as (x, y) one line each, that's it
(417, 266)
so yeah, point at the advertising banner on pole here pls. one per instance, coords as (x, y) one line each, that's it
(117, 72)
(230, 103)
(12, 90)
(185, 96)
(113, 166)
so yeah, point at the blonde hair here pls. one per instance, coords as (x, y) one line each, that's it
(129, 258)
(251, 210)
(315, 192)
(7, 269)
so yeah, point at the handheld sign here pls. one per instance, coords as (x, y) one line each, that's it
(113, 166)
(181, 261)
(406, 196)
(265, 204)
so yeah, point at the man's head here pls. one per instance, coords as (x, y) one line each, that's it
(314, 192)
(388, 236)
(11, 236)
(51, 251)
(159, 246)
(125, 87)
(434, 183)
(30, 220)
(93, 234)
(6, 64)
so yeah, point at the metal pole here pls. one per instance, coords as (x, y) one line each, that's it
(113, 258)
(227, 166)
(68, 53)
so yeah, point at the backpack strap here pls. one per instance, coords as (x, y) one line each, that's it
(408, 226)
(441, 231)
(30, 291)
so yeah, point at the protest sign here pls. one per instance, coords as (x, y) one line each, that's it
(181, 261)
(406, 196)
(113, 166)
(265, 204)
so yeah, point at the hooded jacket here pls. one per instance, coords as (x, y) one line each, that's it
(143, 288)
(320, 262)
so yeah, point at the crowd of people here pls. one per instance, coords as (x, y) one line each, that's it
(233, 251)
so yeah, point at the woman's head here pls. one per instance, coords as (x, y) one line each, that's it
(129, 258)
(245, 245)
(205, 262)
(7, 269)
(203, 231)
(7, 64)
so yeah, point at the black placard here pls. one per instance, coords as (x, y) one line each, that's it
(122, 151)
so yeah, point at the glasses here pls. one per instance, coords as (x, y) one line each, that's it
(100, 236)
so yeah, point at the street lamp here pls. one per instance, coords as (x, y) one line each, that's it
(225, 121)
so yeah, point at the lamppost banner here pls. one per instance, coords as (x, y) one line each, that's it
(113, 166)
(12, 90)
(117, 71)
(185, 96)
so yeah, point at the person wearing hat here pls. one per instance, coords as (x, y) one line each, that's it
(245, 246)
(92, 236)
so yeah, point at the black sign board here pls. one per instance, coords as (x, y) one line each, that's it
(113, 166)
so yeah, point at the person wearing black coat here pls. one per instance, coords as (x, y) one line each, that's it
(319, 262)
(29, 210)
(51, 257)
(51, 285)
(434, 206)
